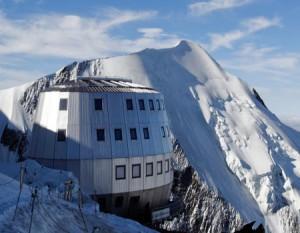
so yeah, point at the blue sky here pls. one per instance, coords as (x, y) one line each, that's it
(257, 40)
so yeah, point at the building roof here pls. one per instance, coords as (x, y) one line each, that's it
(99, 84)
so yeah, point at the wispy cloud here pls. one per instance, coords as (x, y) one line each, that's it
(72, 36)
(265, 60)
(203, 8)
(248, 27)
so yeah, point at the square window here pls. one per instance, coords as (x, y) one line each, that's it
(61, 135)
(98, 104)
(118, 135)
(136, 170)
(133, 134)
(129, 104)
(63, 104)
(158, 104)
(163, 132)
(146, 133)
(151, 105)
(159, 167)
(149, 169)
(100, 135)
(119, 201)
(120, 172)
(142, 104)
(167, 165)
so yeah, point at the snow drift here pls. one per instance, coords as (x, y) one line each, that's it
(237, 146)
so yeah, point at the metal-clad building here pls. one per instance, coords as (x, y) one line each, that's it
(113, 135)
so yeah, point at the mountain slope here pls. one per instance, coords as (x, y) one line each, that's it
(237, 146)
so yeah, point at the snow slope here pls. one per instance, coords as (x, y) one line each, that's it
(51, 214)
(238, 147)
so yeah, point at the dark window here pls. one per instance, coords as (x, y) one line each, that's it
(134, 201)
(163, 132)
(118, 135)
(149, 169)
(159, 167)
(136, 170)
(98, 104)
(142, 104)
(61, 135)
(129, 104)
(158, 104)
(119, 201)
(120, 172)
(151, 105)
(146, 133)
(100, 135)
(133, 134)
(63, 104)
(167, 164)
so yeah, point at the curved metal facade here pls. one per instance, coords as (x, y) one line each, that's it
(109, 147)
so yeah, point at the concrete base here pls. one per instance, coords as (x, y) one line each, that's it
(137, 205)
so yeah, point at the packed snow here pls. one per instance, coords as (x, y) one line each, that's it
(238, 147)
(51, 212)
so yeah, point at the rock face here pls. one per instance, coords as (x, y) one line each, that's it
(246, 159)
(204, 210)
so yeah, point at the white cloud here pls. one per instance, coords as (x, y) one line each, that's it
(248, 27)
(202, 8)
(265, 60)
(76, 37)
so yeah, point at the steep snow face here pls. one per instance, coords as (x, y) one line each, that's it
(237, 146)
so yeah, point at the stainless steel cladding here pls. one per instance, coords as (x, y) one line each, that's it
(112, 134)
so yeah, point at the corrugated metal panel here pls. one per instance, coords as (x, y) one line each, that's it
(157, 139)
(136, 184)
(134, 146)
(149, 181)
(120, 186)
(74, 166)
(103, 176)
(118, 148)
(144, 115)
(148, 144)
(102, 149)
(87, 175)
(86, 151)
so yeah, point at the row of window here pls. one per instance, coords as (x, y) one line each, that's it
(61, 134)
(136, 170)
(98, 104)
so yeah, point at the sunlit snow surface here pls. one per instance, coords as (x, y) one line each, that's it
(237, 146)
(51, 213)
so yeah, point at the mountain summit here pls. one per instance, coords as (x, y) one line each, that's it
(237, 146)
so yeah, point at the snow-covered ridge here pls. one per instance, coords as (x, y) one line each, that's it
(237, 146)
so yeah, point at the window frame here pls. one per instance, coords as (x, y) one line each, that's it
(149, 163)
(129, 104)
(100, 130)
(98, 104)
(58, 139)
(158, 104)
(115, 134)
(116, 172)
(146, 133)
(140, 170)
(151, 105)
(131, 130)
(161, 167)
(167, 168)
(63, 104)
(142, 106)
(163, 131)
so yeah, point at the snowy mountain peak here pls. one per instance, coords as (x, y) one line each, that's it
(238, 147)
